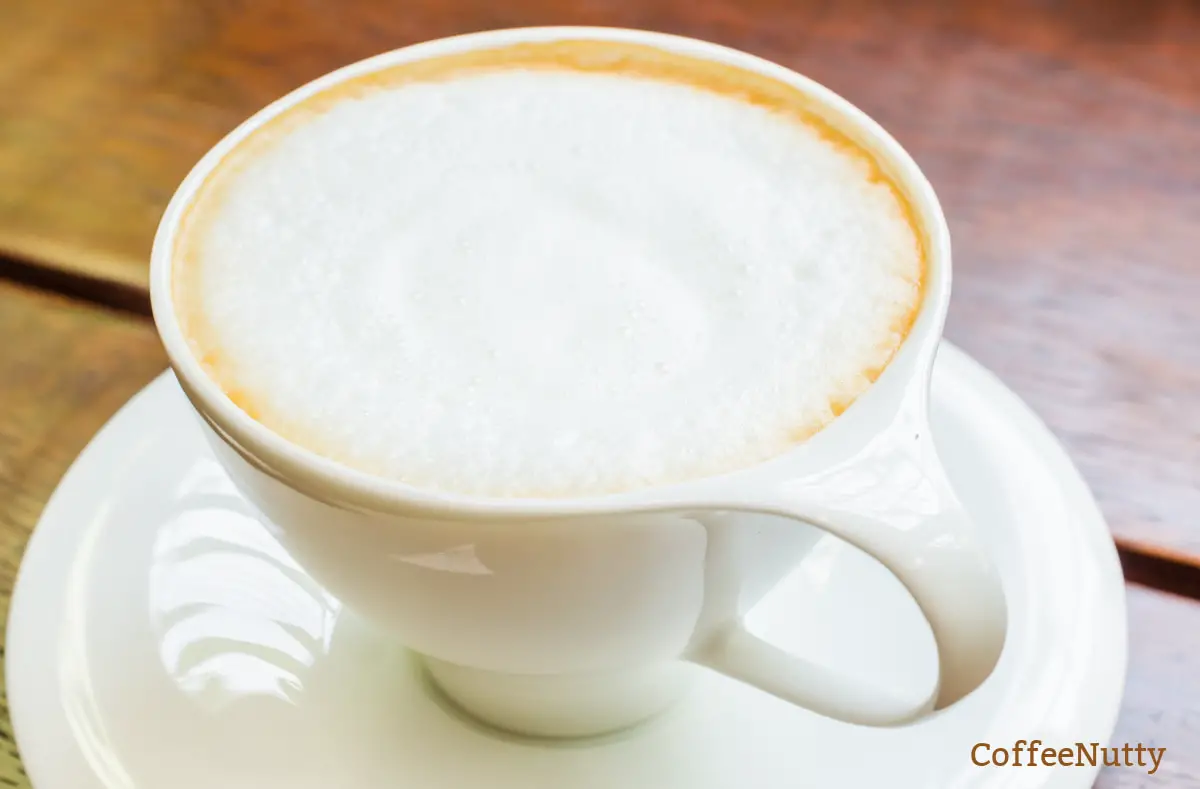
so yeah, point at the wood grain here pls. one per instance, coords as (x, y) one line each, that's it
(64, 370)
(1162, 691)
(73, 365)
(1063, 137)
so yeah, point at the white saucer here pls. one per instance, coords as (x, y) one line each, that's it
(160, 637)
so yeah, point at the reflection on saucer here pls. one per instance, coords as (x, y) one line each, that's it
(235, 616)
(160, 636)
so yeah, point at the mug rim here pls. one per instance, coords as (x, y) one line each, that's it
(341, 485)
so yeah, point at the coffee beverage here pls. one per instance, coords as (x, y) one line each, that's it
(433, 307)
(548, 270)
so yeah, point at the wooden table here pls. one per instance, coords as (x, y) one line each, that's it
(1063, 138)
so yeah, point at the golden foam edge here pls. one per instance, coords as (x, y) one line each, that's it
(624, 59)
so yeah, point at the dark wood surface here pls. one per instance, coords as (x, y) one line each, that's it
(1063, 137)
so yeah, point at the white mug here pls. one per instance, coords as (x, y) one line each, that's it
(569, 617)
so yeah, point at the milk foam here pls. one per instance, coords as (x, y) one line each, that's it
(549, 283)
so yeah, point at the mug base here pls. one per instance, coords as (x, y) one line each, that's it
(563, 705)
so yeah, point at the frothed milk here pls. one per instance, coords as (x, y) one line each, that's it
(548, 270)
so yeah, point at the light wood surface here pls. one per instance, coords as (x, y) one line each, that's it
(1161, 691)
(65, 368)
(1063, 138)
(74, 365)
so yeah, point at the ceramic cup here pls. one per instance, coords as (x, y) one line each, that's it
(569, 617)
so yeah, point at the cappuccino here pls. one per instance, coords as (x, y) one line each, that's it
(548, 270)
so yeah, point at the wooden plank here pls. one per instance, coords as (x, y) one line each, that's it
(1162, 692)
(69, 367)
(64, 370)
(1064, 139)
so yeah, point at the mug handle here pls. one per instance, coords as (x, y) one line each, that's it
(894, 502)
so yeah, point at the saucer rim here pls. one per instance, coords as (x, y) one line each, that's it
(50, 551)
